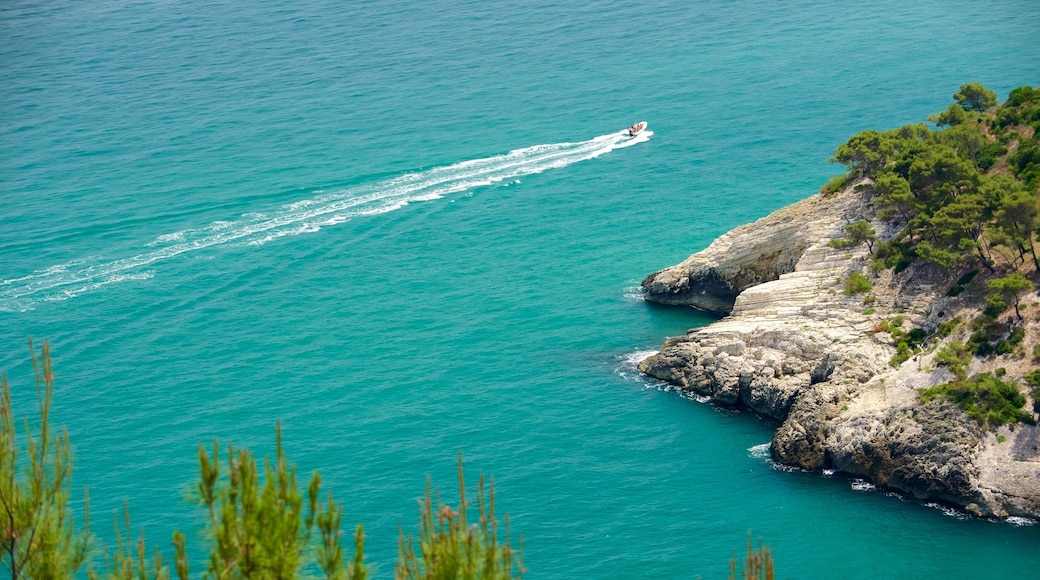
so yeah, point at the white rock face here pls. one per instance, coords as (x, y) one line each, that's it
(794, 347)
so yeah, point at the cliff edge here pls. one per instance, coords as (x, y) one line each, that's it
(793, 346)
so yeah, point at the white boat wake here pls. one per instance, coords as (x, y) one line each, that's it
(71, 279)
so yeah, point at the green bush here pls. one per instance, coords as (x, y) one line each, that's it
(995, 305)
(896, 255)
(836, 184)
(856, 283)
(989, 155)
(902, 355)
(907, 343)
(946, 328)
(955, 356)
(979, 343)
(986, 398)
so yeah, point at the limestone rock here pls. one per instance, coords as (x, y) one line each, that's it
(749, 255)
(793, 347)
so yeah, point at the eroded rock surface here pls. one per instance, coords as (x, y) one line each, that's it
(795, 348)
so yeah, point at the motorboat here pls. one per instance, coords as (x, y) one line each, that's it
(636, 128)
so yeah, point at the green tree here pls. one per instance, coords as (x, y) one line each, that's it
(260, 530)
(865, 153)
(1026, 162)
(1010, 288)
(855, 234)
(967, 139)
(975, 97)
(1018, 218)
(38, 536)
(937, 254)
(956, 231)
(895, 196)
(954, 115)
(938, 174)
(451, 548)
(1022, 95)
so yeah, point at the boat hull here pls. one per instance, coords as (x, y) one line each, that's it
(636, 129)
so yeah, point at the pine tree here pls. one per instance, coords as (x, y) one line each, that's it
(38, 536)
(260, 529)
(451, 548)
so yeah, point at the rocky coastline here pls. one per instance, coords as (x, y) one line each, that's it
(793, 346)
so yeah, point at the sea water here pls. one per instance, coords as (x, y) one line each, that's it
(409, 230)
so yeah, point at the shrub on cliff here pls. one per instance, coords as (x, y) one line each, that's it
(986, 398)
(906, 343)
(955, 356)
(856, 283)
(856, 234)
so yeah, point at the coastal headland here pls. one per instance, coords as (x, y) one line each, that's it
(846, 371)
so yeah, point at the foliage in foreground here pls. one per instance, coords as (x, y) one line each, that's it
(261, 530)
(449, 547)
(38, 537)
(757, 564)
(260, 527)
(261, 524)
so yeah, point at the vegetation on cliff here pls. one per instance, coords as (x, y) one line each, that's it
(964, 196)
(966, 190)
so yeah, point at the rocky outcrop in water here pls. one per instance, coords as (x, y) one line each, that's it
(794, 347)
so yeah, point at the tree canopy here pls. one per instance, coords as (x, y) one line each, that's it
(964, 191)
(975, 97)
(962, 195)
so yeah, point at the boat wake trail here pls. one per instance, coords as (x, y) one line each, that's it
(65, 281)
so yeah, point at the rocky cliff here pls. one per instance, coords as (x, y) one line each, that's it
(794, 347)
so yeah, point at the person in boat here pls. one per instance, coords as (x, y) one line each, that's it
(633, 129)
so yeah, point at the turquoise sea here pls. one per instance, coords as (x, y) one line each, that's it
(411, 229)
